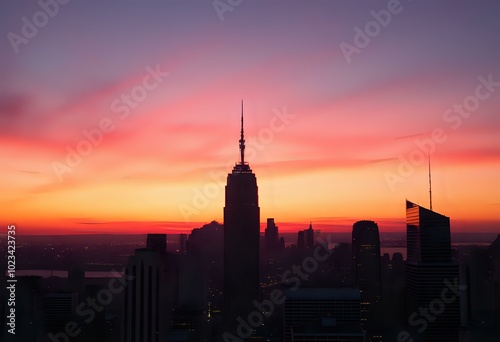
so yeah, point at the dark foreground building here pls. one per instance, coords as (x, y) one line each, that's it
(432, 289)
(145, 303)
(367, 275)
(241, 241)
(315, 314)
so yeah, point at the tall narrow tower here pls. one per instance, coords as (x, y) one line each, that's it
(241, 240)
(367, 276)
(430, 269)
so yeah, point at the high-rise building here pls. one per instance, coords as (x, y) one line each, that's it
(312, 314)
(58, 309)
(432, 278)
(271, 235)
(206, 244)
(241, 240)
(301, 242)
(305, 238)
(366, 271)
(309, 236)
(144, 303)
(182, 243)
(428, 235)
(31, 319)
(157, 242)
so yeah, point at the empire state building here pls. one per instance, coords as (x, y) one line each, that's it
(241, 240)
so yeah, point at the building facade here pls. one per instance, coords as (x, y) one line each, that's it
(432, 277)
(241, 240)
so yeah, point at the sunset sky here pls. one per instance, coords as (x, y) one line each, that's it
(331, 139)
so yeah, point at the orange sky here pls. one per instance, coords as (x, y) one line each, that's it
(326, 138)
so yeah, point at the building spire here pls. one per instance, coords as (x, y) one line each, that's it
(242, 138)
(430, 183)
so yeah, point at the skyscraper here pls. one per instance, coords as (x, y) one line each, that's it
(301, 242)
(271, 234)
(322, 314)
(309, 236)
(144, 304)
(58, 309)
(157, 242)
(241, 239)
(305, 238)
(432, 290)
(366, 257)
(366, 271)
(182, 243)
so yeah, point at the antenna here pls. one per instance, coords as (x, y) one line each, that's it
(430, 181)
(242, 139)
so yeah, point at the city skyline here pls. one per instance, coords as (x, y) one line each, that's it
(328, 131)
(236, 170)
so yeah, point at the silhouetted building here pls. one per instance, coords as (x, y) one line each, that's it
(480, 289)
(205, 244)
(309, 236)
(316, 314)
(271, 235)
(301, 242)
(482, 273)
(366, 271)
(241, 240)
(189, 320)
(431, 277)
(30, 323)
(494, 249)
(76, 277)
(341, 265)
(182, 243)
(207, 241)
(366, 257)
(157, 242)
(398, 264)
(305, 238)
(193, 284)
(144, 303)
(282, 243)
(95, 330)
(58, 309)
